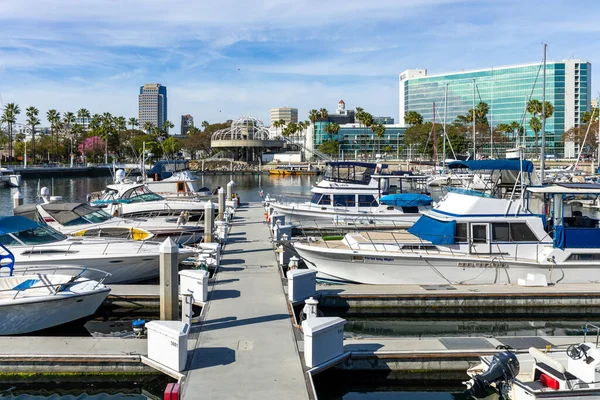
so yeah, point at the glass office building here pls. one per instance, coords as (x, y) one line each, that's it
(506, 90)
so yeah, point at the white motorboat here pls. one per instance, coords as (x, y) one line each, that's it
(80, 219)
(137, 200)
(38, 245)
(570, 374)
(9, 178)
(473, 238)
(41, 299)
(354, 193)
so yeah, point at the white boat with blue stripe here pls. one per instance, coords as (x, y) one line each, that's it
(474, 238)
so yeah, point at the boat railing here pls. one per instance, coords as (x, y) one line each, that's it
(585, 331)
(58, 287)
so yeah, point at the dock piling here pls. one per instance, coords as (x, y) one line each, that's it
(230, 190)
(221, 196)
(169, 299)
(17, 199)
(209, 222)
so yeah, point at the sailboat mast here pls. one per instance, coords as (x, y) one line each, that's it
(434, 140)
(492, 118)
(473, 119)
(542, 149)
(445, 135)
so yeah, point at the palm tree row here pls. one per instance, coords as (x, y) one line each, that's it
(72, 127)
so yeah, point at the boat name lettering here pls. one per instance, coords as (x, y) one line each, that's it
(464, 264)
(386, 259)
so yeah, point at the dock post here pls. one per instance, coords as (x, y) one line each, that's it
(186, 308)
(169, 281)
(221, 196)
(230, 190)
(209, 222)
(17, 199)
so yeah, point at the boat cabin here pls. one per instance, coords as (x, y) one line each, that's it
(164, 169)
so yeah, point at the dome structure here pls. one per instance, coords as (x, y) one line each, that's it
(245, 135)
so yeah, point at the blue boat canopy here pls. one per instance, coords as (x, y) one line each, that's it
(16, 224)
(406, 200)
(503, 164)
(437, 232)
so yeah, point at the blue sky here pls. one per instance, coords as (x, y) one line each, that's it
(223, 59)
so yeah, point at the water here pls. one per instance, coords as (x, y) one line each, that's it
(248, 187)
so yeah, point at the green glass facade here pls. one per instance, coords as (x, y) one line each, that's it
(506, 90)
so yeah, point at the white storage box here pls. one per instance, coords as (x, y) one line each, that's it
(167, 343)
(323, 339)
(194, 282)
(302, 284)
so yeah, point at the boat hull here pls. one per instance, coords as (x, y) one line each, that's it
(422, 269)
(48, 311)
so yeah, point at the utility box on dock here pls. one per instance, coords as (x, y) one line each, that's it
(302, 284)
(323, 339)
(194, 282)
(167, 343)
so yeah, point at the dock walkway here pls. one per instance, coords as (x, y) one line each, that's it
(245, 347)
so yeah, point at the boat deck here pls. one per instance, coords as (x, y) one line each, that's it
(245, 347)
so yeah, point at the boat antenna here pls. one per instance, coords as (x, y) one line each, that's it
(473, 158)
(542, 150)
(434, 140)
(445, 136)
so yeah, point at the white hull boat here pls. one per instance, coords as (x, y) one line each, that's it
(9, 178)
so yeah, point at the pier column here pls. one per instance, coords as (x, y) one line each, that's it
(17, 199)
(209, 221)
(230, 190)
(169, 281)
(221, 196)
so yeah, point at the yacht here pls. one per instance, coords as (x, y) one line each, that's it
(41, 298)
(38, 245)
(571, 373)
(351, 193)
(9, 178)
(137, 200)
(81, 219)
(174, 179)
(472, 237)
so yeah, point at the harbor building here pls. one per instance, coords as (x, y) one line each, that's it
(383, 120)
(284, 113)
(187, 121)
(506, 91)
(152, 104)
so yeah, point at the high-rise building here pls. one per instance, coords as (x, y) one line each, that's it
(506, 91)
(284, 113)
(152, 104)
(187, 121)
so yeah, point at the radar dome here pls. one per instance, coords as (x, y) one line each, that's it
(119, 176)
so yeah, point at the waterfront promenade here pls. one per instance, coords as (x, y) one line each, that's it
(245, 346)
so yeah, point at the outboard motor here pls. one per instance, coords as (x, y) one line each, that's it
(502, 371)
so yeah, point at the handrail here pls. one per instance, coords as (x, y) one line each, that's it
(585, 329)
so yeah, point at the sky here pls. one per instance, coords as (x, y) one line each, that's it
(229, 58)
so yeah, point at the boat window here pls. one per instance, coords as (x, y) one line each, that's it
(479, 233)
(460, 235)
(583, 257)
(315, 199)
(141, 194)
(347, 200)
(325, 199)
(520, 232)
(500, 232)
(8, 240)
(366, 200)
(90, 218)
(410, 210)
(40, 235)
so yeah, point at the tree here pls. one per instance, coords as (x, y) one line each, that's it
(413, 118)
(588, 116)
(323, 114)
(106, 128)
(171, 146)
(9, 117)
(33, 121)
(330, 147)
(205, 124)
(67, 124)
(380, 132)
(313, 115)
(166, 126)
(578, 135)
(534, 107)
(133, 122)
(53, 118)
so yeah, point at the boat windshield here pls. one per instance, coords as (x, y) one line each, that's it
(349, 172)
(91, 218)
(141, 194)
(40, 235)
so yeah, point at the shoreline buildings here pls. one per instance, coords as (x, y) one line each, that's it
(152, 104)
(284, 113)
(187, 121)
(506, 91)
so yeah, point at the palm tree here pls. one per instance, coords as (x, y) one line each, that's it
(133, 122)
(379, 130)
(68, 121)
(106, 126)
(53, 118)
(11, 110)
(148, 127)
(32, 120)
(205, 124)
(413, 118)
(277, 125)
(534, 107)
(313, 115)
(166, 126)
(323, 114)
